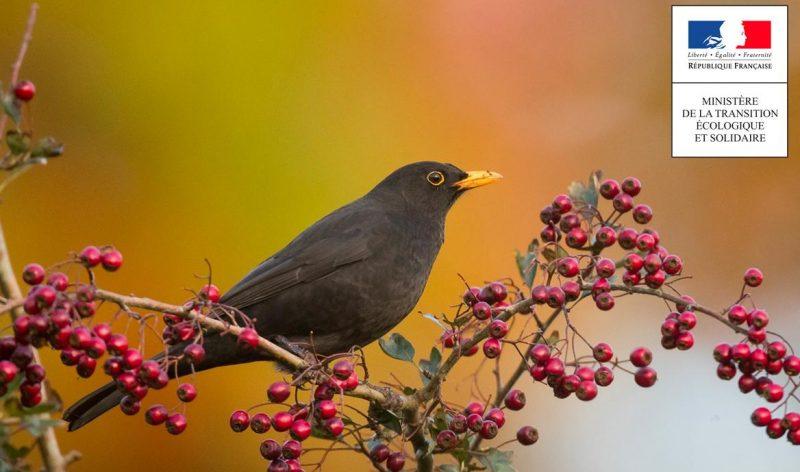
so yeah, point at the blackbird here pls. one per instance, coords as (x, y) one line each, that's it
(343, 282)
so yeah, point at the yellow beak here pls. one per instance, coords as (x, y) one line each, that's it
(477, 178)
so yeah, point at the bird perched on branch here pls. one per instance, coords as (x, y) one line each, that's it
(343, 282)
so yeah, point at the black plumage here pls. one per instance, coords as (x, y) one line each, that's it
(348, 279)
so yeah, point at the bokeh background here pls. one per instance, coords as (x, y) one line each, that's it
(220, 130)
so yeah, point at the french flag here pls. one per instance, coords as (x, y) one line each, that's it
(730, 34)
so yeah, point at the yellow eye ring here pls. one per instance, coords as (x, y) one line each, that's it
(435, 178)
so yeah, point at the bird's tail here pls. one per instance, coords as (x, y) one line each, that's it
(109, 395)
(220, 350)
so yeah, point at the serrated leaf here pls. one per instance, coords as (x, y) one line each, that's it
(431, 366)
(18, 143)
(11, 107)
(496, 460)
(585, 196)
(397, 347)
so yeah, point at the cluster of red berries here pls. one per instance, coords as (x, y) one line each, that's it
(380, 453)
(321, 415)
(583, 382)
(757, 359)
(477, 420)
(485, 304)
(59, 313)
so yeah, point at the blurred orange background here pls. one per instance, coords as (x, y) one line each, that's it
(208, 130)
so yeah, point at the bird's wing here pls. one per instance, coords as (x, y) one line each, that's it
(303, 261)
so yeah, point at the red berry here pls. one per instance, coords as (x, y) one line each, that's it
(684, 341)
(603, 376)
(379, 453)
(489, 429)
(492, 348)
(270, 449)
(239, 421)
(475, 422)
(540, 353)
(282, 421)
(24, 90)
(527, 435)
(642, 214)
(791, 421)
(776, 350)
(247, 339)
(112, 260)
(631, 186)
(260, 423)
(278, 392)
(86, 366)
(761, 416)
(187, 392)
(775, 429)
(600, 286)
(722, 353)
(458, 423)
(497, 416)
(687, 304)
(645, 377)
(609, 189)
(8, 371)
(602, 352)
(131, 359)
(572, 290)
(195, 353)
(631, 278)
(33, 274)
(645, 242)
(688, 320)
(482, 311)
(210, 292)
(555, 297)
(606, 236)
(129, 405)
(672, 264)
(562, 203)
(576, 238)
(604, 301)
(291, 449)
(446, 439)
(670, 327)
(756, 335)
(568, 266)
(587, 390)
(396, 461)
(176, 423)
(758, 319)
(58, 281)
(747, 383)
(117, 343)
(550, 234)
(515, 400)
(91, 256)
(622, 203)
(156, 414)
(627, 238)
(300, 430)
(539, 294)
(554, 367)
(343, 369)
(753, 277)
(652, 263)
(791, 365)
(498, 329)
(773, 393)
(470, 296)
(605, 267)
(726, 371)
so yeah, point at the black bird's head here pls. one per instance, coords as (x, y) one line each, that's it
(430, 187)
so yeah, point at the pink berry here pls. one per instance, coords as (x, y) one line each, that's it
(609, 189)
(176, 423)
(278, 392)
(239, 421)
(753, 277)
(33, 274)
(24, 90)
(112, 260)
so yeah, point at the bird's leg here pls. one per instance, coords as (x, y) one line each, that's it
(295, 349)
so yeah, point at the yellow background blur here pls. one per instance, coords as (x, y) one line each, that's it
(204, 129)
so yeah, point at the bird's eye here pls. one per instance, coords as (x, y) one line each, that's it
(435, 178)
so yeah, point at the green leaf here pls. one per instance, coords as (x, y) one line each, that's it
(15, 453)
(48, 147)
(18, 143)
(554, 252)
(528, 263)
(447, 468)
(40, 408)
(431, 366)
(496, 460)
(554, 337)
(585, 196)
(37, 425)
(11, 107)
(397, 347)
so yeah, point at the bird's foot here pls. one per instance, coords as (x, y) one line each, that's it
(298, 351)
